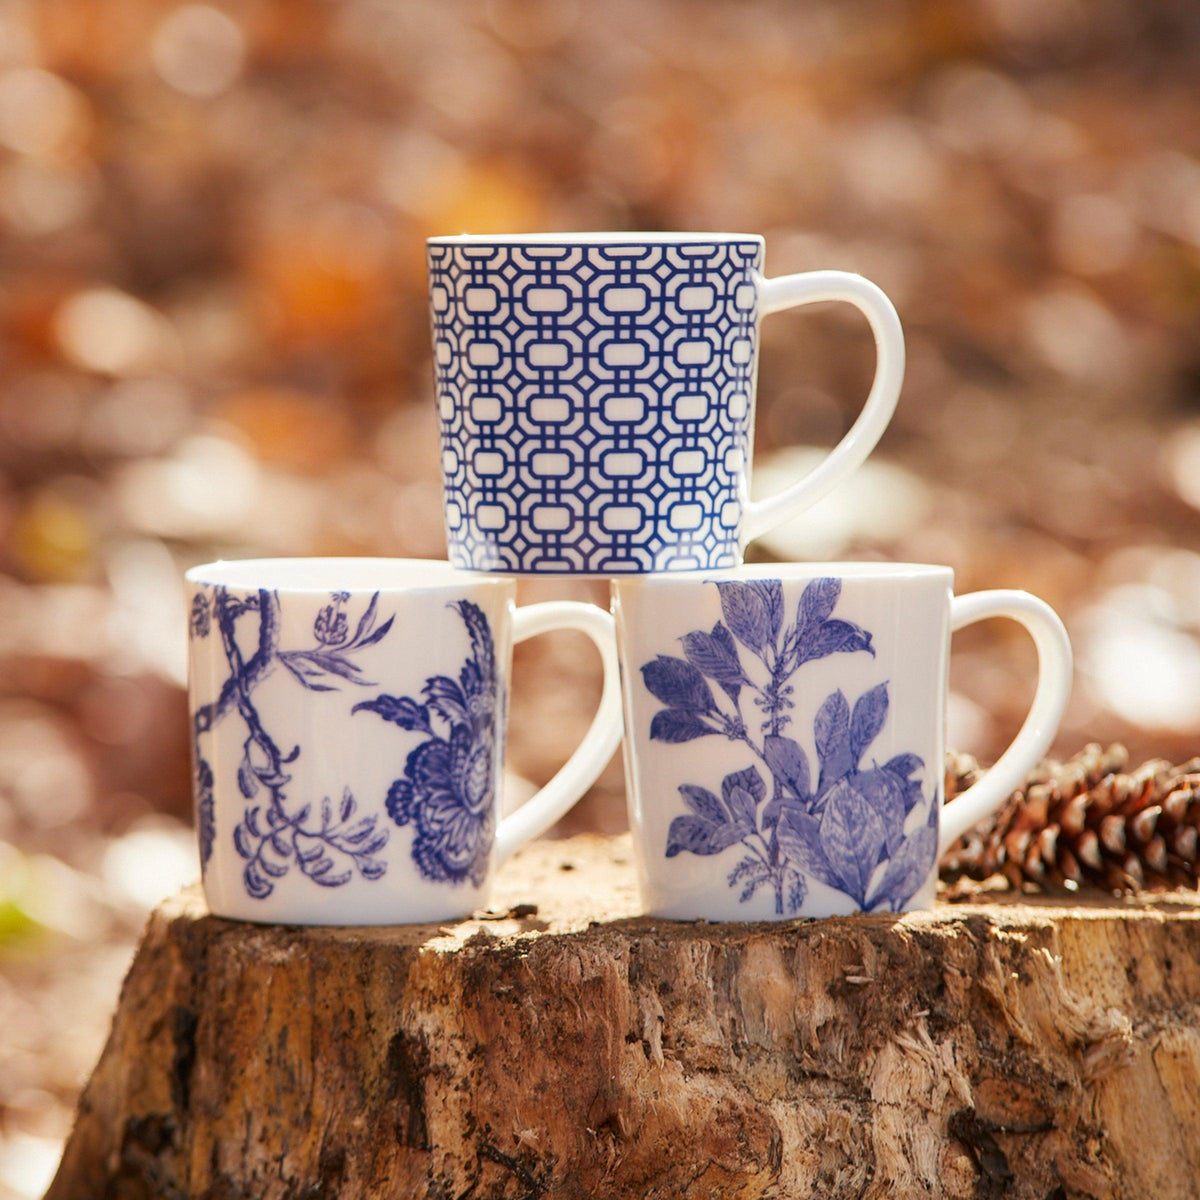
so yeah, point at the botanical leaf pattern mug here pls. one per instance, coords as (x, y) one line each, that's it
(348, 721)
(784, 734)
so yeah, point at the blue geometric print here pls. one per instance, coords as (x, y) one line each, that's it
(595, 401)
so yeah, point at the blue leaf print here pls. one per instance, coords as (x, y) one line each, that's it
(818, 600)
(715, 654)
(852, 836)
(677, 725)
(243, 841)
(742, 792)
(741, 806)
(247, 781)
(787, 763)
(789, 769)
(885, 794)
(800, 838)
(833, 637)
(900, 768)
(703, 803)
(727, 646)
(399, 710)
(444, 697)
(377, 636)
(748, 781)
(911, 788)
(678, 684)
(255, 884)
(698, 836)
(911, 866)
(746, 614)
(367, 620)
(831, 731)
(870, 712)
(483, 656)
(849, 833)
(334, 664)
(904, 765)
(277, 870)
(770, 592)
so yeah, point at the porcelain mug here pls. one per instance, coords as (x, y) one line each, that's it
(784, 734)
(349, 719)
(596, 397)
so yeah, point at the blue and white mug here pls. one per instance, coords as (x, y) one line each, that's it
(349, 718)
(596, 397)
(784, 734)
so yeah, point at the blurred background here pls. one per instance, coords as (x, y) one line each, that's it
(213, 341)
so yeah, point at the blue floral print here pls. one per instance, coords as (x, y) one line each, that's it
(447, 790)
(852, 827)
(272, 837)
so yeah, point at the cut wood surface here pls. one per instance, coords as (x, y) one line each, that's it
(1015, 1048)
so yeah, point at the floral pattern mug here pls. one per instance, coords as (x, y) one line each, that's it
(348, 719)
(784, 734)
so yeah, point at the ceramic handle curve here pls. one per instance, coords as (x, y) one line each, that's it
(600, 742)
(1049, 702)
(789, 291)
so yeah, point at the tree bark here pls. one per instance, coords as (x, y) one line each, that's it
(1016, 1049)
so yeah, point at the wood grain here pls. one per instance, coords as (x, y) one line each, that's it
(1009, 1049)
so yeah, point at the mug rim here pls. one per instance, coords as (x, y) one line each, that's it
(322, 574)
(882, 572)
(599, 237)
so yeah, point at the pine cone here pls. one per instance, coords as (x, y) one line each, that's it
(1086, 820)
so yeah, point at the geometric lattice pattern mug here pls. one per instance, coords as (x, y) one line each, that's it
(596, 398)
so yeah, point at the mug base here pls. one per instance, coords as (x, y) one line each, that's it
(345, 921)
(350, 912)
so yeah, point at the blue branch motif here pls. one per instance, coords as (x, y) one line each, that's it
(327, 846)
(447, 790)
(847, 828)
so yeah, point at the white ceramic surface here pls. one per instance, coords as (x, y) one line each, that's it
(349, 720)
(784, 734)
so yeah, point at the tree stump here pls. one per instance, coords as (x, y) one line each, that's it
(1018, 1048)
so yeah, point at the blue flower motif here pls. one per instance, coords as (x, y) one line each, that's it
(274, 836)
(201, 616)
(331, 627)
(206, 823)
(447, 790)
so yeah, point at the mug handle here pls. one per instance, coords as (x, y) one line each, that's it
(600, 742)
(813, 287)
(1053, 688)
